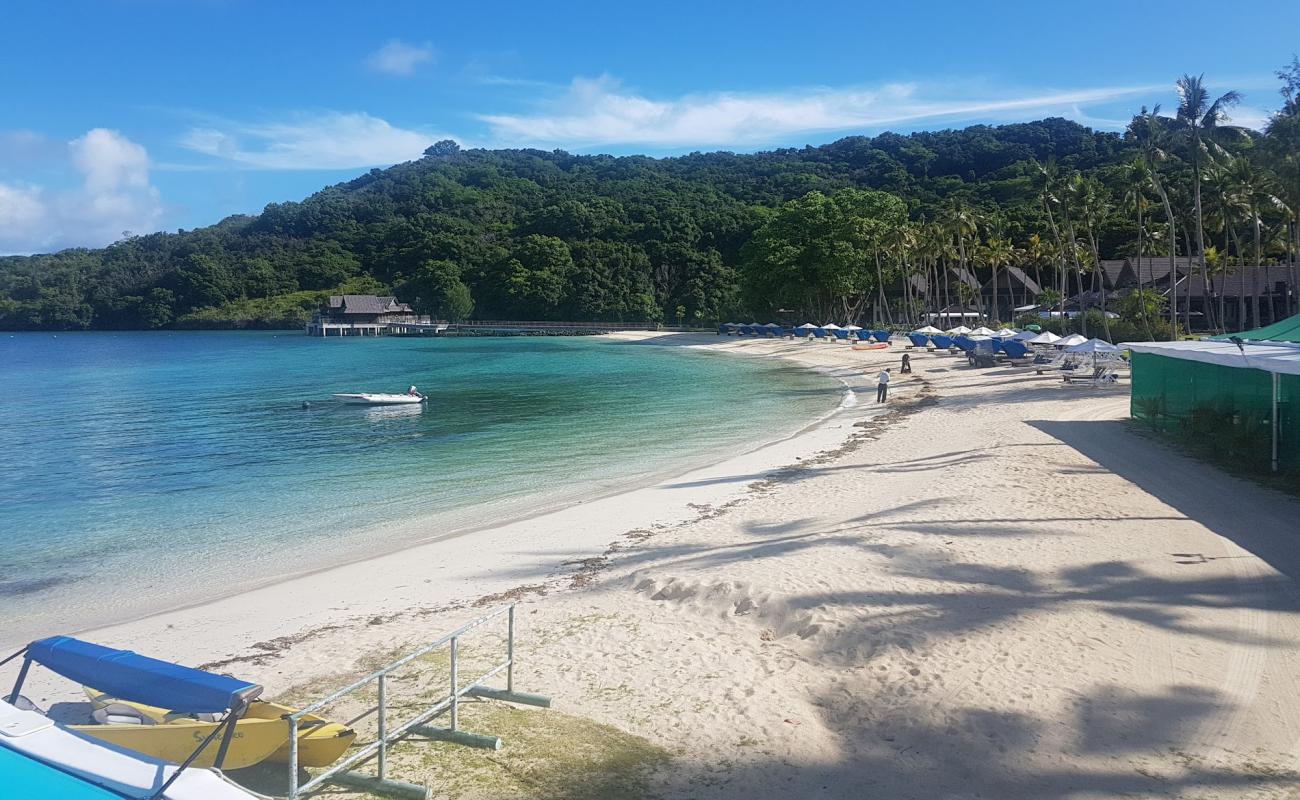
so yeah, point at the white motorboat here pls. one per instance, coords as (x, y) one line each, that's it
(39, 758)
(381, 399)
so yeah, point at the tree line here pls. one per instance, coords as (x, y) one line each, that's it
(877, 229)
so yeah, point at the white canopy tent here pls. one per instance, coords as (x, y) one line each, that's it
(1279, 358)
(1276, 358)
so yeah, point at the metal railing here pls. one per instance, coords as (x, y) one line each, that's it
(342, 773)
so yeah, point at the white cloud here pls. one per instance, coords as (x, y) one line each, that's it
(329, 140)
(399, 58)
(600, 111)
(1248, 117)
(114, 195)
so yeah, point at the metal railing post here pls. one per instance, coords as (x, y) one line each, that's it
(383, 726)
(455, 700)
(293, 758)
(510, 650)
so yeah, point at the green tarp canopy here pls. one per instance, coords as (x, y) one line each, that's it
(1288, 330)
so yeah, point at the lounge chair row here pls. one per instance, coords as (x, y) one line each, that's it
(764, 332)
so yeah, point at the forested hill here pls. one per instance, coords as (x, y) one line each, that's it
(532, 234)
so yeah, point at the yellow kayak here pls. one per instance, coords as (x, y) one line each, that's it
(261, 734)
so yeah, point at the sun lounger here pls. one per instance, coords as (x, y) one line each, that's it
(1095, 377)
(942, 342)
(819, 333)
(881, 336)
(842, 336)
(918, 340)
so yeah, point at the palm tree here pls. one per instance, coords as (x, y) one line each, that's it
(1049, 191)
(963, 222)
(1254, 187)
(997, 253)
(1037, 252)
(1148, 130)
(1198, 117)
(1138, 178)
(1282, 145)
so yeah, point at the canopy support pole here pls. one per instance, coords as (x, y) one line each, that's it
(1277, 381)
(228, 723)
(22, 676)
(232, 719)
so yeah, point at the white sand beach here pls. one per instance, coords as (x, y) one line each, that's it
(994, 587)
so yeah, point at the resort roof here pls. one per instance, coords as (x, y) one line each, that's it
(1276, 357)
(1245, 281)
(366, 304)
(1014, 279)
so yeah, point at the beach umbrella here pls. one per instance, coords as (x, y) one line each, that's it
(959, 330)
(731, 324)
(1024, 336)
(1093, 346)
(1005, 333)
(831, 326)
(807, 326)
(928, 330)
(852, 327)
(1046, 337)
(753, 325)
(1071, 340)
(771, 325)
(983, 331)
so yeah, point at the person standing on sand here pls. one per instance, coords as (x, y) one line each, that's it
(882, 386)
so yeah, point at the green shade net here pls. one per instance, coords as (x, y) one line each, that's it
(1287, 330)
(1227, 410)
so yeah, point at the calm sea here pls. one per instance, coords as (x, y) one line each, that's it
(148, 468)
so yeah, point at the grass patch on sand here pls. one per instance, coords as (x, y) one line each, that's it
(545, 755)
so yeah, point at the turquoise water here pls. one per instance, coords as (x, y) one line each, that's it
(149, 468)
(27, 779)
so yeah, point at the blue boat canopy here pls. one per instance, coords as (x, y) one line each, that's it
(140, 679)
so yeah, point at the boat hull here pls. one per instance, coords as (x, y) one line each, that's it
(320, 742)
(380, 399)
(123, 774)
(253, 742)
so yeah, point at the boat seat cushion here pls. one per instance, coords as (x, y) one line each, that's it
(120, 714)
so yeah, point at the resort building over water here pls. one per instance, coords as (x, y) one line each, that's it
(360, 315)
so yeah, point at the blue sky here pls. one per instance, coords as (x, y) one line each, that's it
(149, 115)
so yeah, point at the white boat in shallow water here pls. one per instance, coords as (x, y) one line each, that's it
(381, 399)
(41, 759)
